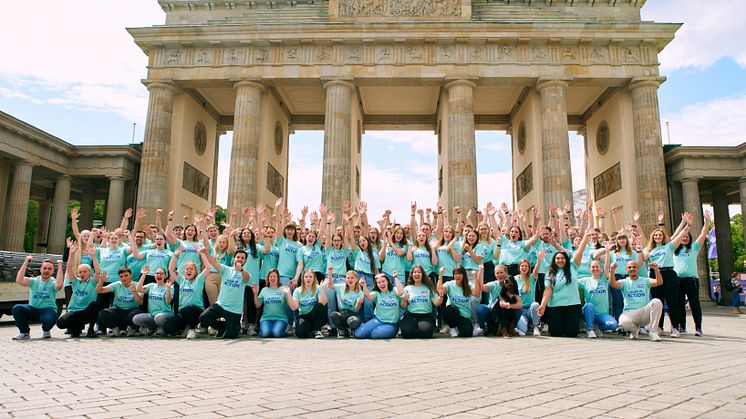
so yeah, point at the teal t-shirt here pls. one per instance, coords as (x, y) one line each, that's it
(157, 303)
(420, 299)
(288, 260)
(662, 255)
(457, 299)
(526, 297)
(312, 257)
(337, 259)
(253, 265)
(274, 301)
(135, 264)
(269, 261)
(486, 249)
(347, 300)
(467, 261)
(394, 262)
(232, 287)
(223, 258)
(387, 306)
(512, 252)
(494, 292)
(549, 252)
(362, 261)
(564, 294)
(621, 258)
(685, 263)
(636, 293)
(158, 258)
(445, 258)
(190, 292)
(189, 254)
(596, 292)
(306, 300)
(111, 261)
(585, 261)
(84, 293)
(42, 294)
(124, 297)
(420, 256)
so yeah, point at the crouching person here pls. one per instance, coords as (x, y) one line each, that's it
(42, 304)
(82, 308)
(225, 314)
(126, 303)
(639, 309)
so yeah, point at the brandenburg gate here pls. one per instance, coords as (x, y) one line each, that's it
(536, 69)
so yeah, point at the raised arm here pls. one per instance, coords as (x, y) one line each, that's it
(141, 282)
(60, 278)
(73, 261)
(397, 284)
(705, 228)
(125, 219)
(612, 278)
(74, 223)
(366, 292)
(21, 278)
(174, 259)
(579, 251)
(658, 280)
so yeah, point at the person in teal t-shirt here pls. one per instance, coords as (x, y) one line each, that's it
(459, 308)
(125, 306)
(310, 256)
(527, 283)
(287, 246)
(310, 301)
(685, 266)
(393, 252)
(42, 305)
(82, 308)
(418, 299)
(190, 305)
(349, 301)
(385, 323)
(274, 297)
(229, 305)
(639, 308)
(159, 295)
(336, 259)
(596, 293)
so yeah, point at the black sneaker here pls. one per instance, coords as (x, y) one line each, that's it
(91, 333)
(75, 333)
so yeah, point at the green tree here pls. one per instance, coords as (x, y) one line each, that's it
(30, 235)
(220, 217)
(736, 233)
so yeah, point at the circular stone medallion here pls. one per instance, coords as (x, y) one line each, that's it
(522, 138)
(602, 138)
(279, 140)
(200, 138)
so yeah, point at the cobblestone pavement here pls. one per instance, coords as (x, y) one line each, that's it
(477, 377)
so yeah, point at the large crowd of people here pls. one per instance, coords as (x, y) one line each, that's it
(490, 272)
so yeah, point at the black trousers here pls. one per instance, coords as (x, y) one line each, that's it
(668, 293)
(689, 287)
(311, 321)
(117, 317)
(417, 325)
(563, 320)
(345, 319)
(249, 309)
(227, 327)
(76, 320)
(453, 319)
(187, 317)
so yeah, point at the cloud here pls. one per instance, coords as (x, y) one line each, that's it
(83, 59)
(712, 30)
(419, 142)
(715, 122)
(12, 94)
(495, 187)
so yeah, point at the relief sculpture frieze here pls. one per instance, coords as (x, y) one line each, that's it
(399, 8)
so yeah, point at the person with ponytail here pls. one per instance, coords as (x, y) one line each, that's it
(458, 312)
(310, 301)
(685, 266)
(418, 300)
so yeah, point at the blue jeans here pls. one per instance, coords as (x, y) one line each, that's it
(524, 314)
(368, 306)
(272, 328)
(617, 300)
(331, 303)
(604, 320)
(483, 313)
(24, 313)
(376, 329)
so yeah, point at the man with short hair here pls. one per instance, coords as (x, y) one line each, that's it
(639, 309)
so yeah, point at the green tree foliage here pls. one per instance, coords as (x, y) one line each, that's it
(736, 233)
(220, 217)
(30, 236)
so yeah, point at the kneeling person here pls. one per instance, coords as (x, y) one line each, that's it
(639, 309)
(229, 304)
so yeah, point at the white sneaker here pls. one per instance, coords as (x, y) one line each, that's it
(453, 332)
(192, 334)
(203, 330)
(340, 334)
(537, 332)
(634, 334)
(212, 331)
(477, 331)
(643, 330)
(116, 332)
(520, 332)
(318, 335)
(654, 337)
(674, 333)
(591, 334)
(22, 336)
(46, 334)
(444, 330)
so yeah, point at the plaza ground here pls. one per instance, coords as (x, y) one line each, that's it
(477, 377)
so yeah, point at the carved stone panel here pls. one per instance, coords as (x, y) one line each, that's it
(355, 9)
(607, 182)
(524, 183)
(195, 181)
(233, 56)
(275, 181)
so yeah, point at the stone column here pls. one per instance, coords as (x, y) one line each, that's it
(216, 162)
(87, 206)
(461, 181)
(650, 169)
(693, 204)
(115, 202)
(17, 208)
(242, 186)
(154, 164)
(336, 186)
(42, 227)
(4, 177)
(58, 221)
(555, 144)
(724, 243)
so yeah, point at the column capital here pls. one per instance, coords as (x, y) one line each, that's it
(250, 83)
(582, 130)
(742, 180)
(695, 179)
(639, 82)
(64, 177)
(542, 83)
(338, 82)
(460, 82)
(160, 84)
(117, 177)
(20, 163)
